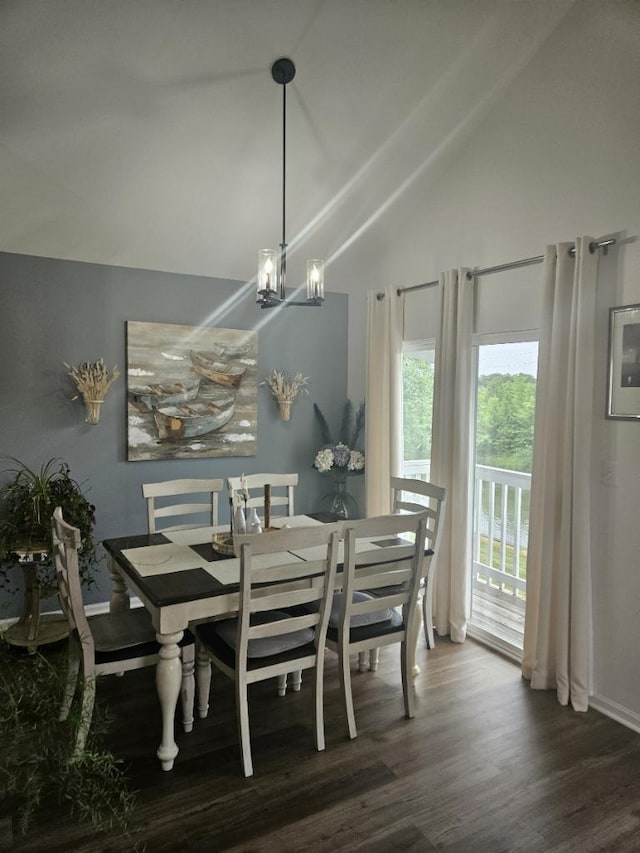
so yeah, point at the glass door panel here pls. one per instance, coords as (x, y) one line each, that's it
(505, 408)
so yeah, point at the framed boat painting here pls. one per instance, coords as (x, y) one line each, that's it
(623, 397)
(192, 392)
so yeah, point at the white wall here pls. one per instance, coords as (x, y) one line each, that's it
(557, 157)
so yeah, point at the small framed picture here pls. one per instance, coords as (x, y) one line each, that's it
(623, 397)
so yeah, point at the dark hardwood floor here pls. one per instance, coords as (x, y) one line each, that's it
(486, 766)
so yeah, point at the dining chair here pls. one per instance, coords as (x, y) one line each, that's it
(273, 633)
(282, 500)
(105, 644)
(360, 621)
(282, 491)
(411, 495)
(201, 512)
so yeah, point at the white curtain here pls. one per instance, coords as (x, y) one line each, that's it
(451, 452)
(383, 422)
(557, 640)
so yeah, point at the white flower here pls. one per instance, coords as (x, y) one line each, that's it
(339, 458)
(324, 460)
(356, 461)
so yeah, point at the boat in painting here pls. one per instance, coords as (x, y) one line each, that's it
(207, 364)
(231, 350)
(218, 394)
(154, 394)
(190, 420)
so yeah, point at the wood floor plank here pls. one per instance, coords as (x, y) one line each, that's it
(486, 766)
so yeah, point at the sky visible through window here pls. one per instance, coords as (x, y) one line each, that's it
(509, 358)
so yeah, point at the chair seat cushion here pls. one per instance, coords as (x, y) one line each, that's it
(391, 625)
(260, 647)
(125, 635)
(359, 619)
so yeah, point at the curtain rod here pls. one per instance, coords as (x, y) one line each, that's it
(525, 262)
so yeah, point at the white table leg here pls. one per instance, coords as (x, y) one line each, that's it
(168, 682)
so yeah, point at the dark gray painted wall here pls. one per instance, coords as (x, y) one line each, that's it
(57, 311)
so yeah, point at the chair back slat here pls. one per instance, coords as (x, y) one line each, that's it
(205, 514)
(282, 626)
(255, 484)
(410, 495)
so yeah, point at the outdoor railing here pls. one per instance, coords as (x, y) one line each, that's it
(500, 528)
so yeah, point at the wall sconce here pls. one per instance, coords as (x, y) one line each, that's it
(93, 380)
(285, 389)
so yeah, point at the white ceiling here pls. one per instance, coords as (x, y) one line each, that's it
(148, 132)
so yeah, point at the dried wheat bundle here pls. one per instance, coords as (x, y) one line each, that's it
(285, 387)
(92, 379)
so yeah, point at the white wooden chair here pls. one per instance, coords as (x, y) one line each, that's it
(282, 489)
(281, 499)
(105, 644)
(266, 640)
(360, 621)
(409, 495)
(202, 513)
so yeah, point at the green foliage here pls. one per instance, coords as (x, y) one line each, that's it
(36, 767)
(505, 416)
(27, 502)
(417, 393)
(505, 420)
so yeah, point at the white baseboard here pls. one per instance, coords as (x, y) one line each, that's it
(605, 706)
(91, 610)
(616, 712)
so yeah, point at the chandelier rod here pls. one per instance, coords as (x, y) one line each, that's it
(283, 244)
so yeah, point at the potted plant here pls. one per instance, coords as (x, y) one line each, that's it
(27, 501)
(39, 774)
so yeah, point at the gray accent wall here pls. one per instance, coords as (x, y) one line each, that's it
(56, 311)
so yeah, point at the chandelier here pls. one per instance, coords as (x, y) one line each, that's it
(272, 266)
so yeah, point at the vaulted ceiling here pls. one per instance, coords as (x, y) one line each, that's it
(148, 132)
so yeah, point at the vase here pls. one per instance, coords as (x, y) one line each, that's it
(253, 522)
(239, 521)
(340, 502)
(285, 409)
(93, 411)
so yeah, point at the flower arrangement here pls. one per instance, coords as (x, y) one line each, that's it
(338, 459)
(341, 458)
(285, 388)
(93, 380)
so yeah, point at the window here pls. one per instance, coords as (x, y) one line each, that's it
(417, 407)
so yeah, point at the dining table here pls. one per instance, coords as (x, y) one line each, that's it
(181, 578)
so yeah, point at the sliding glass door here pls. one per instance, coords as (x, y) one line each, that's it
(503, 426)
(504, 422)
